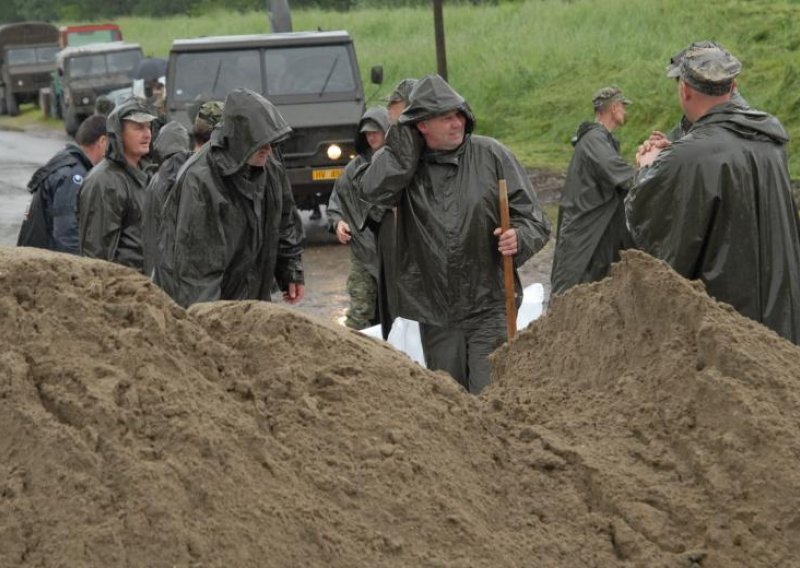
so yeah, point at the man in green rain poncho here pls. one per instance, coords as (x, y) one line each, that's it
(449, 248)
(591, 214)
(230, 226)
(716, 204)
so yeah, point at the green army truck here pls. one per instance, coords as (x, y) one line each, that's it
(27, 57)
(311, 77)
(88, 71)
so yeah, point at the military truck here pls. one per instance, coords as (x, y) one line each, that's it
(27, 57)
(311, 77)
(88, 71)
(73, 36)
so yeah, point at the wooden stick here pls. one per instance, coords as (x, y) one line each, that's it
(508, 264)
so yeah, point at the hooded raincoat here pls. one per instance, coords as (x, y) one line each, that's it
(170, 150)
(111, 199)
(345, 204)
(717, 207)
(229, 229)
(591, 215)
(449, 272)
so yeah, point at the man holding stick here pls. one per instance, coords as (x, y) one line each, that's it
(444, 182)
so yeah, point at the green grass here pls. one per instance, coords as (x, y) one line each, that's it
(29, 117)
(529, 68)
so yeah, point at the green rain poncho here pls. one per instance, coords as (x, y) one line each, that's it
(717, 207)
(229, 229)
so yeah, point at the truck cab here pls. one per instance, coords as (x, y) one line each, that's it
(311, 77)
(88, 71)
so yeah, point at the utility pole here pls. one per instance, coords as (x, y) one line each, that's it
(438, 25)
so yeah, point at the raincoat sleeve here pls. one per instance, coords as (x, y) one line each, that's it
(334, 209)
(102, 210)
(672, 188)
(392, 167)
(289, 264)
(526, 215)
(200, 245)
(610, 169)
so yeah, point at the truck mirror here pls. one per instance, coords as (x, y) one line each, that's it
(376, 74)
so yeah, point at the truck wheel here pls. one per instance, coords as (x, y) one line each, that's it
(71, 121)
(11, 104)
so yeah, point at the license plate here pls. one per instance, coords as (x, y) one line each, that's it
(321, 175)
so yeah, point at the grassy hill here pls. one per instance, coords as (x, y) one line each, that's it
(529, 68)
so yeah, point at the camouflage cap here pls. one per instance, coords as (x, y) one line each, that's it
(139, 116)
(210, 113)
(609, 95)
(674, 66)
(710, 70)
(402, 91)
(103, 105)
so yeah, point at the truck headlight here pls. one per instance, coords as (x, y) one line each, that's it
(334, 152)
(85, 100)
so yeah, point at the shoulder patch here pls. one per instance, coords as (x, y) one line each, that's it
(77, 179)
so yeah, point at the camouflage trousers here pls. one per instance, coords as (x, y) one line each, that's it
(363, 290)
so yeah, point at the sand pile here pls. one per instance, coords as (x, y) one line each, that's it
(135, 433)
(676, 418)
(638, 424)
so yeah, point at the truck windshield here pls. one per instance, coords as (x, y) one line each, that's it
(309, 70)
(315, 70)
(32, 55)
(215, 74)
(115, 63)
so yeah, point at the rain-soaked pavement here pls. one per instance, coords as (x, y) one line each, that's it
(326, 262)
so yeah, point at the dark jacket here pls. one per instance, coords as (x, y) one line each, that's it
(170, 150)
(228, 229)
(717, 207)
(111, 199)
(591, 215)
(50, 221)
(449, 271)
(345, 203)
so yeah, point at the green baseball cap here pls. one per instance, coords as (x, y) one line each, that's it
(609, 95)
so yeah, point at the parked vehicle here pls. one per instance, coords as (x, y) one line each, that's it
(74, 36)
(88, 71)
(311, 77)
(27, 57)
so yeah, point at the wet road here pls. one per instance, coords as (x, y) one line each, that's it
(326, 262)
(20, 155)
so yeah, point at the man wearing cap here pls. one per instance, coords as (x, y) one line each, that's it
(345, 216)
(591, 215)
(716, 204)
(111, 198)
(674, 72)
(230, 227)
(450, 249)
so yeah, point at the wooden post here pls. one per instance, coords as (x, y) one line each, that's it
(508, 264)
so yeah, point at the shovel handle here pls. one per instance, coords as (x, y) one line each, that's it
(508, 263)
